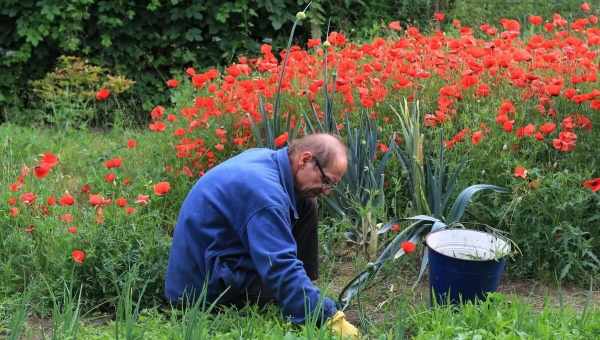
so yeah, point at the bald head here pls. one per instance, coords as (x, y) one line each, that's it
(318, 163)
(328, 149)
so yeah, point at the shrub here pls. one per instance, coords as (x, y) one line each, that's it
(76, 94)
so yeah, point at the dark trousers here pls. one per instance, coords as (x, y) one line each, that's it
(305, 233)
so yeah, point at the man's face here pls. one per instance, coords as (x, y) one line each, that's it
(312, 179)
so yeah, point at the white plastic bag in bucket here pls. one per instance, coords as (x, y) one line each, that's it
(467, 244)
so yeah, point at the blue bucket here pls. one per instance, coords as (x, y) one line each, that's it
(464, 265)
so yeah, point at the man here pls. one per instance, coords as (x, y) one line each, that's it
(248, 230)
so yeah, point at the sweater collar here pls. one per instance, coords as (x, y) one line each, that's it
(285, 173)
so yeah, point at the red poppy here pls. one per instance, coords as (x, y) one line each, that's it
(113, 163)
(12, 201)
(482, 91)
(142, 199)
(110, 177)
(102, 94)
(131, 143)
(592, 184)
(539, 136)
(547, 128)
(281, 140)
(179, 132)
(336, 39)
(520, 172)
(14, 187)
(221, 133)
(583, 122)
(161, 188)
(553, 90)
(67, 199)
(157, 126)
(585, 7)
(382, 148)
(157, 112)
(49, 159)
(72, 229)
(28, 197)
(395, 25)
(219, 147)
(408, 246)
(41, 171)
(313, 42)
(121, 202)
(67, 218)
(86, 188)
(439, 16)
(535, 20)
(78, 256)
(476, 137)
(565, 142)
(172, 83)
(129, 210)
(14, 212)
(97, 200)
(527, 130)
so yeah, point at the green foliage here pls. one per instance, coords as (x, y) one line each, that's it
(502, 317)
(144, 43)
(474, 12)
(68, 94)
(367, 19)
(360, 196)
(41, 260)
(553, 215)
(431, 184)
(66, 314)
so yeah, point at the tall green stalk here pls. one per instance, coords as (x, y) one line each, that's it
(272, 125)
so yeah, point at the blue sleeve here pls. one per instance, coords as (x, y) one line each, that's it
(273, 251)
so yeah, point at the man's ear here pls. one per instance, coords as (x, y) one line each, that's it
(304, 158)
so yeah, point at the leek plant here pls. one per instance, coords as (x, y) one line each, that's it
(431, 184)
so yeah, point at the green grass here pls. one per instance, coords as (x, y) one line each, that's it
(117, 294)
(505, 318)
(500, 317)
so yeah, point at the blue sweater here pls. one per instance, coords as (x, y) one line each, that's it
(236, 222)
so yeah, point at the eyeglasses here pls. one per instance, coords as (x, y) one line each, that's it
(327, 182)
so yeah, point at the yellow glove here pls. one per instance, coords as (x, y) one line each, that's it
(341, 327)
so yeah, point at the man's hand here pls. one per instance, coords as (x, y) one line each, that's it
(341, 327)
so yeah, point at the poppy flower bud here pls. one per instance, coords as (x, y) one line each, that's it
(300, 16)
